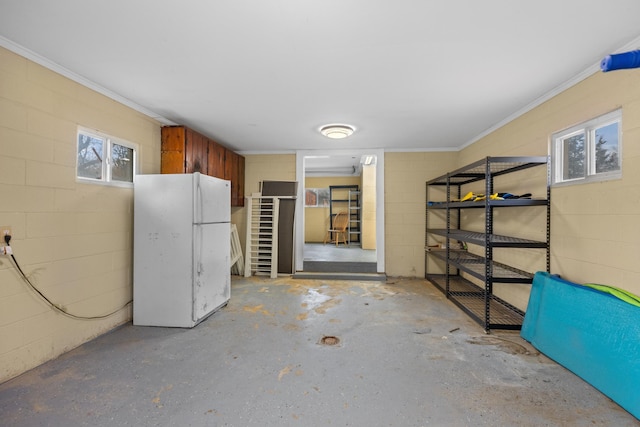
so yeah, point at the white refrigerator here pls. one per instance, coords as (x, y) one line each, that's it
(181, 250)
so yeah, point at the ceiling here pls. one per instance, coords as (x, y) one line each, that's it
(263, 76)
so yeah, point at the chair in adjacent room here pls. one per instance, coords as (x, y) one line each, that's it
(338, 229)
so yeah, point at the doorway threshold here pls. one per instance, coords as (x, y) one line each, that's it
(339, 267)
(320, 275)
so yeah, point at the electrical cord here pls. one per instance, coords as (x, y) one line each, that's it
(7, 239)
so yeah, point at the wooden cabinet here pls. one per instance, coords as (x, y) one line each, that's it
(172, 159)
(237, 180)
(197, 154)
(186, 151)
(215, 160)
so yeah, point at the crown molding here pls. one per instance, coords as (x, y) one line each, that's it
(589, 71)
(57, 68)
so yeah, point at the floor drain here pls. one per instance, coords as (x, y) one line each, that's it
(330, 340)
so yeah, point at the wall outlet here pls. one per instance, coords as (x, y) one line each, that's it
(4, 230)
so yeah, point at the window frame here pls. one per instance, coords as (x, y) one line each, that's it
(107, 164)
(322, 195)
(558, 154)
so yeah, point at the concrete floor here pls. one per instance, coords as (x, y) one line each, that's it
(405, 357)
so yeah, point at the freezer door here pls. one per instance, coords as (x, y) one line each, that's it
(212, 272)
(212, 199)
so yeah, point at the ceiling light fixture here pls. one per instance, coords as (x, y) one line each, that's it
(337, 131)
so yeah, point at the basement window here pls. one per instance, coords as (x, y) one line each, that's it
(588, 152)
(316, 197)
(105, 159)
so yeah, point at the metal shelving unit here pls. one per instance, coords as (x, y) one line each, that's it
(353, 229)
(464, 269)
(346, 198)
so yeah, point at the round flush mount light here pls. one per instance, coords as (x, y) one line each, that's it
(337, 131)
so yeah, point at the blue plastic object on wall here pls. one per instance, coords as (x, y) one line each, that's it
(621, 61)
(593, 334)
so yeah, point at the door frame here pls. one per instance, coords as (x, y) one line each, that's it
(300, 220)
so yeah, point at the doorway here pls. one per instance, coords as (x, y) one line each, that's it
(325, 257)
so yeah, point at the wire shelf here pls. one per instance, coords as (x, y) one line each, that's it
(488, 166)
(496, 240)
(476, 266)
(471, 299)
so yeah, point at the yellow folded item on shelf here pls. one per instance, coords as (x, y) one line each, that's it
(471, 196)
(468, 196)
(481, 197)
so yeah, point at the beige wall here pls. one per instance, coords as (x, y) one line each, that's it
(368, 209)
(595, 232)
(405, 175)
(258, 168)
(73, 240)
(316, 220)
(316, 224)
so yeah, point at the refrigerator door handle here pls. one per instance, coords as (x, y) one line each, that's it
(197, 200)
(197, 250)
(197, 267)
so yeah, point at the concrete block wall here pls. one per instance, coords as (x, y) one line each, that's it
(404, 192)
(73, 240)
(258, 168)
(595, 236)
